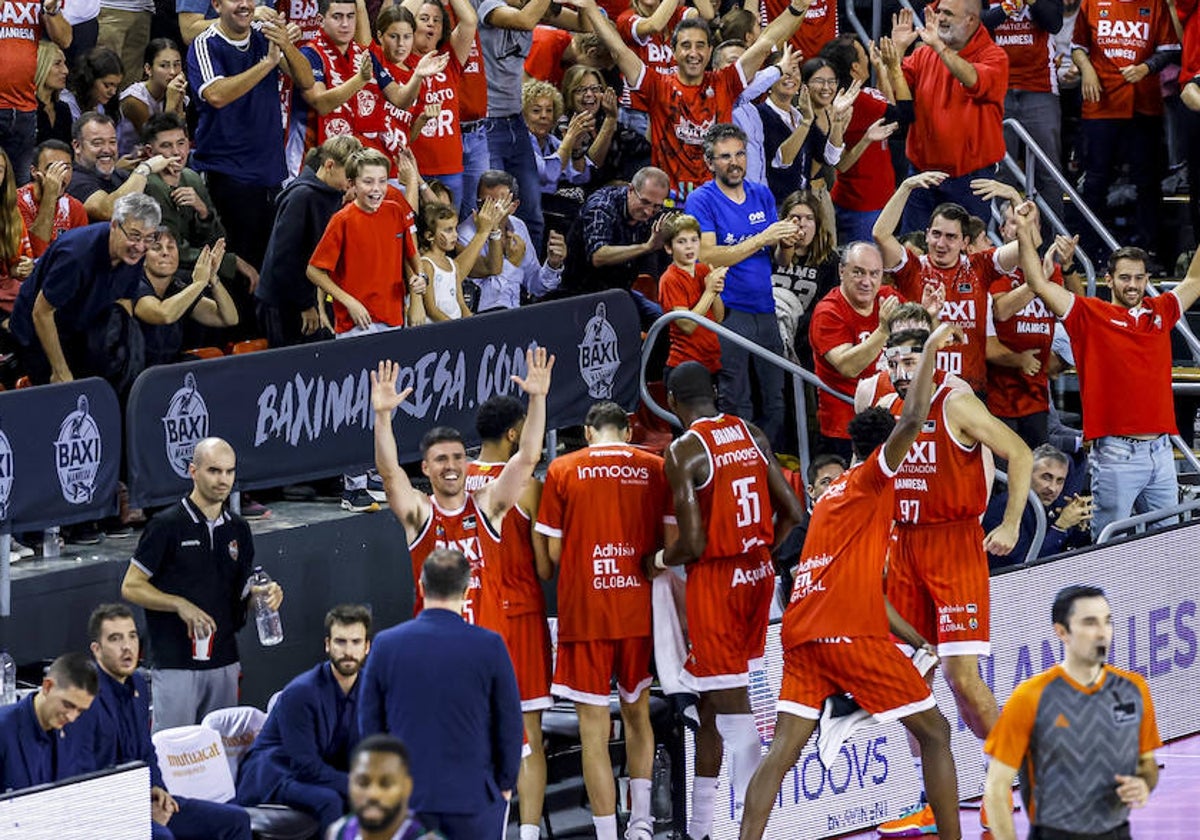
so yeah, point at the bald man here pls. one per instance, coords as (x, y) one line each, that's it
(191, 573)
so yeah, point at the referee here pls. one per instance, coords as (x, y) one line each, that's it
(1082, 733)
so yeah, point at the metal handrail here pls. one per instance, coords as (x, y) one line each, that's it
(1139, 522)
(1039, 516)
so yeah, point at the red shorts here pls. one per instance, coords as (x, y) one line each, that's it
(937, 579)
(585, 670)
(528, 640)
(728, 607)
(872, 670)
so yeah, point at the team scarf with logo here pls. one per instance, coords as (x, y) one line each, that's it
(362, 114)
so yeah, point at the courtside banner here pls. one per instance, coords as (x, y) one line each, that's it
(60, 454)
(1153, 583)
(301, 413)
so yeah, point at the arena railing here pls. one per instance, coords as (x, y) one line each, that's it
(1039, 514)
(1141, 522)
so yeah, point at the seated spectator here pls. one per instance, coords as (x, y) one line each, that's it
(558, 160)
(45, 205)
(93, 84)
(96, 179)
(692, 286)
(73, 288)
(53, 115)
(287, 306)
(38, 737)
(165, 298)
(380, 786)
(301, 758)
(118, 731)
(804, 270)
(437, 234)
(614, 152)
(508, 267)
(1068, 511)
(164, 90)
(16, 256)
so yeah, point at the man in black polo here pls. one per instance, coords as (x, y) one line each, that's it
(95, 179)
(191, 573)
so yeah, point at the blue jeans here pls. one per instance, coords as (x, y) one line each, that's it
(510, 150)
(854, 225)
(475, 162)
(1131, 476)
(454, 183)
(957, 190)
(18, 136)
(736, 363)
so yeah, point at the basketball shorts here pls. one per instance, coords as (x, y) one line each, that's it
(728, 607)
(528, 640)
(585, 670)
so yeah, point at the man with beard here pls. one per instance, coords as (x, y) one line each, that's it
(96, 180)
(380, 785)
(301, 756)
(118, 727)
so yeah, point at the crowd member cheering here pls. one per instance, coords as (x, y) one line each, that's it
(164, 89)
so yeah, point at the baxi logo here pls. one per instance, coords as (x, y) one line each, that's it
(77, 453)
(184, 425)
(6, 474)
(599, 355)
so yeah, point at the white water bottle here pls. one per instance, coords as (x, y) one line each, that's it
(8, 679)
(270, 625)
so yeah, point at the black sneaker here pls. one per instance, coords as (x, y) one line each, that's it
(85, 533)
(359, 501)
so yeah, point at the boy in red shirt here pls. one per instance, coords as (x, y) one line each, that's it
(693, 286)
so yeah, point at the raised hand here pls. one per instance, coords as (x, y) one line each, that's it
(804, 105)
(843, 103)
(903, 30)
(608, 103)
(366, 68)
(556, 249)
(924, 180)
(880, 130)
(384, 396)
(988, 188)
(537, 375)
(933, 297)
(431, 63)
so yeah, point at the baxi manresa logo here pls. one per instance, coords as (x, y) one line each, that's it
(6, 474)
(599, 356)
(185, 424)
(77, 454)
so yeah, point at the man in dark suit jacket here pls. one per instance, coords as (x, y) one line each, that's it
(448, 691)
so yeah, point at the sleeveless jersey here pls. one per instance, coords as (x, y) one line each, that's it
(520, 589)
(607, 503)
(735, 503)
(468, 530)
(940, 480)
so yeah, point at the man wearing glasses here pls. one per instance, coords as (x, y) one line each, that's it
(96, 180)
(66, 302)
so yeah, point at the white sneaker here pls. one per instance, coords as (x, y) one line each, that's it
(841, 717)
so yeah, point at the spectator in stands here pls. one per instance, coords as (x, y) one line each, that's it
(805, 269)
(559, 160)
(380, 786)
(1068, 514)
(235, 72)
(97, 181)
(118, 730)
(1120, 51)
(1121, 349)
(53, 115)
(438, 237)
(555, 51)
(508, 268)
(93, 84)
(164, 298)
(866, 178)
(614, 151)
(739, 228)
(819, 27)
(74, 285)
(823, 470)
(447, 688)
(45, 205)
(16, 255)
(302, 755)
(746, 115)
(191, 573)
(692, 286)
(18, 87)
(163, 91)
(36, 746)
(289, 310)
(958, 86)
(847, 333)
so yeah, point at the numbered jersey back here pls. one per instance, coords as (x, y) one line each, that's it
(735, 502)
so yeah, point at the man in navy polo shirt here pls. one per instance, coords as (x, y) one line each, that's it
(118, 731)
(738, 228)
(191, 573)
(74, 286)
(35, 748)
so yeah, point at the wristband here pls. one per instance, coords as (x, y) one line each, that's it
(142, 169)
(495, 235)
(795, 11)
(1069, 268)
(658, 558)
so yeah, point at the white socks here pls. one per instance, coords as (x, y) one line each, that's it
(744, 749)
(639, 800)
(531, 832)
(704, 801)
(606, 827)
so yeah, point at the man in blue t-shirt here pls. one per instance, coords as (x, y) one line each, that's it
(738, 228)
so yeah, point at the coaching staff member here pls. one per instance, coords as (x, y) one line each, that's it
(448, 691)
(1082, 733)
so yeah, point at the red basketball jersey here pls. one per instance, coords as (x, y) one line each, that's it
(735, 501)
(607, 503)
(1030, 53)
(940, 480)
(1010, 391)
(469, 531)
(520, 589)
(838, 591)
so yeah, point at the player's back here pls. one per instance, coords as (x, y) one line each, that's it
(735, 500)
(521, 591)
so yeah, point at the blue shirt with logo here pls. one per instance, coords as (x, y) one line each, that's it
(747, 284)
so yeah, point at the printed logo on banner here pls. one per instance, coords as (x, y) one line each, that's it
(185, 425)
(6, 474)
(77, 454)
(599, 356)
